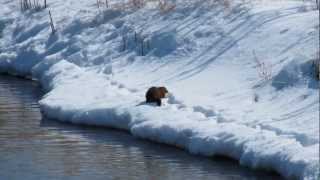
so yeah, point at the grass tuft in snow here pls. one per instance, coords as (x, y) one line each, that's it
(53, 30)
(29, 5)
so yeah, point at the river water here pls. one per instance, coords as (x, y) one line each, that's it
(35, 148)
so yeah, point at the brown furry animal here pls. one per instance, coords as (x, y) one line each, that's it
(155, 94)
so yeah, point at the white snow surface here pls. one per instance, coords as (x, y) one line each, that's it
(240, 77)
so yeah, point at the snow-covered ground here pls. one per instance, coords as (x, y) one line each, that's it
(240, 77)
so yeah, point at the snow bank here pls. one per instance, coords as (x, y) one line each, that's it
(239, 77)
(184, 127)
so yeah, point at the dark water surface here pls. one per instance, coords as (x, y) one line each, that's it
(33, 148)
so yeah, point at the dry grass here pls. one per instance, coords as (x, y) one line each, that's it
(35, 5)
(264, 69)
(53, 30)
(165, 6)
(137, 3)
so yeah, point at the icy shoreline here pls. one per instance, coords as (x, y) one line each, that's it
(204, 137)
(172, 124)
(218, 103)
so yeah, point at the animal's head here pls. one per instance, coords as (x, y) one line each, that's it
(164, 91)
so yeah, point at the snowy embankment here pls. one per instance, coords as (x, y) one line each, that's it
(240, 75)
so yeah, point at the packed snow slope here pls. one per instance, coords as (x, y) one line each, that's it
(240, 74)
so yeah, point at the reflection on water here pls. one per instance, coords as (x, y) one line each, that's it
(33, 148)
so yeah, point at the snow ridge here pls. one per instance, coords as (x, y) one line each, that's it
(194, 129)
